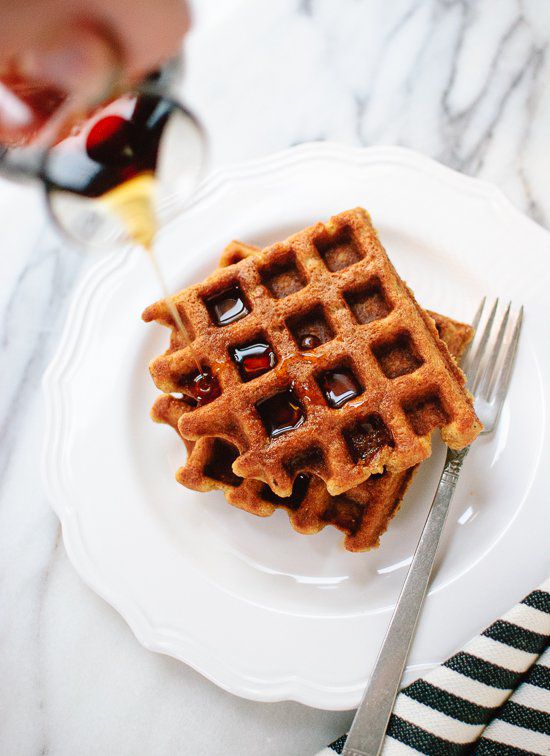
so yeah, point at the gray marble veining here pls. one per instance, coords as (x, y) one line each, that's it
(463, 81)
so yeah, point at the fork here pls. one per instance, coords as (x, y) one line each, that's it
(488, 368)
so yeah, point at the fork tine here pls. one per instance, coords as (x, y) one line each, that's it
(477, 316)
(476, 359)
(487, 383)
(466, 360)
(503, 379)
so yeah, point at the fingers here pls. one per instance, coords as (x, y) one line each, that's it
(67, 42)
(149, 32)
(78, 58)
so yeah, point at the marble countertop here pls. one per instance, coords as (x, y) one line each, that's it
(464, 82)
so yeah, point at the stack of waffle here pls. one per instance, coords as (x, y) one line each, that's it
(325, 380)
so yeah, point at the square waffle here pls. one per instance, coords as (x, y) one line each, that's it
(362, 513)
(333, 282)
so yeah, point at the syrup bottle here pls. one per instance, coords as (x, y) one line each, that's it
(111, 162)
(107, 177)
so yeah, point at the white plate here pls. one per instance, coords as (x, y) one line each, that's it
(264, 612)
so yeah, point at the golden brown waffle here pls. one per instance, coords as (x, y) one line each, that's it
(336, 283)
(362, 513)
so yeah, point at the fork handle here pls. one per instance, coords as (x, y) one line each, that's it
(368, 730)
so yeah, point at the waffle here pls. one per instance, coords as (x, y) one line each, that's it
(362, 514)
(335, 284)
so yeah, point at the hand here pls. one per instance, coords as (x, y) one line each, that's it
(69, 43)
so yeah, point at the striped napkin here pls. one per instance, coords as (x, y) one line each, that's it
(492, 698)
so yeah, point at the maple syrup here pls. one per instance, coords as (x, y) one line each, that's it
(367, 437)
(310, 329)
(205, 387)
(338, 387)
(309, 341)
(227, 306)
(254, 359)
(200, 388)
(281, 413)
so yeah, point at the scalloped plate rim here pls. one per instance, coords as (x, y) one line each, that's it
(150, 635)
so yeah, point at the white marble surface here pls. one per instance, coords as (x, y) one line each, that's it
(463, 81)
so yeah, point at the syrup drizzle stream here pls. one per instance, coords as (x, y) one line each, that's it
(132, 202)
(170, 304)
(176, 317)
(135, 210)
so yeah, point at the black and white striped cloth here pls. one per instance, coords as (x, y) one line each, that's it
(492, 698)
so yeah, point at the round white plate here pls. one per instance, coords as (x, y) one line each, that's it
(264, 612)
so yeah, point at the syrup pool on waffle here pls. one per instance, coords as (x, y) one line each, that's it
(254, 359)
(205, 387)
(339, 386)
(309, 341)
(228, 306)
(281, 413)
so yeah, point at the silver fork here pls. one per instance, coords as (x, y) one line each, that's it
(488, 367)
